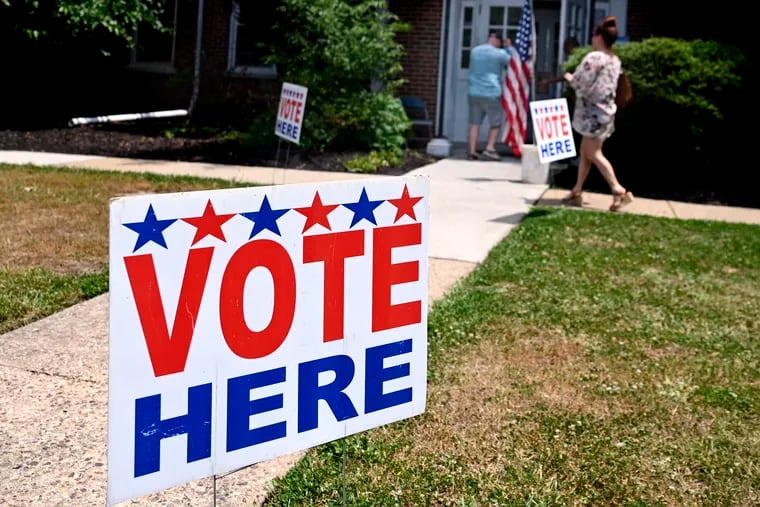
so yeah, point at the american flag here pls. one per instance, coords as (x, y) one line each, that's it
(517, 82)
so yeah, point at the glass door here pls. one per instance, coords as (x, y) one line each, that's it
(472, 21)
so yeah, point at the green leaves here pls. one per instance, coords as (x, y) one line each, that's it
(38, 19)
(341, 51)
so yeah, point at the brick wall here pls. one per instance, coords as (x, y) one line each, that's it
(423, 46)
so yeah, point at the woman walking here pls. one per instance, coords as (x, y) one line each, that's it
(595, 81)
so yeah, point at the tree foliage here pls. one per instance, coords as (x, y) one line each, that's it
(346, 53)
(43, 19)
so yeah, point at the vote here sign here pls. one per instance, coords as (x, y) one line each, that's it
(251, 323)
(290, 112)
(552, 129)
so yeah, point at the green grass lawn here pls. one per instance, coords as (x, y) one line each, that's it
(592, 359)
(54, 234)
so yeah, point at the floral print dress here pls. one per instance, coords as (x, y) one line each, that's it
(595, 82)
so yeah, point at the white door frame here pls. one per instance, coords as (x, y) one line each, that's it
(454, 124)
(454, 45)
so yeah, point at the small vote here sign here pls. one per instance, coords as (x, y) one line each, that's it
(251, 323)
(552, 129)
(290, 112)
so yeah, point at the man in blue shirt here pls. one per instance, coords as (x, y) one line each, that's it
(487, 63)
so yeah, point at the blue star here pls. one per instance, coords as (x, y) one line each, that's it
(363, 209)
(150, 229)
(265, 218)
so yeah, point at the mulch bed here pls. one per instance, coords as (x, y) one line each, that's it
(134, 141)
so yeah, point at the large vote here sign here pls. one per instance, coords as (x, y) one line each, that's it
(255, 322)
(552, 129)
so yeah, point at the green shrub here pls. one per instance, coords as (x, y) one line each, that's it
(373, 161)
(260, 132)
(387, 125)
(346, 54)
(696, 75)
(683, 120)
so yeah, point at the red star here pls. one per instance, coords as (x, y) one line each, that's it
(405, 205)
(316, 213)
(208, 224)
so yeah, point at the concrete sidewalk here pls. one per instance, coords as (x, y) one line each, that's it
(659, 208)
(53, 373)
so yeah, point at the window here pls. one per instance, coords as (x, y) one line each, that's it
(466, 37)
(575, 25)
(506, 22)
(514, 14)
(248, 21)
(154, 49)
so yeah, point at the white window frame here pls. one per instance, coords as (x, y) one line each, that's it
(466, 48)
(260, 71)
(165, 67)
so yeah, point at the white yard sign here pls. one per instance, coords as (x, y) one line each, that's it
(290, 112)
(552, 130)
(251, 323)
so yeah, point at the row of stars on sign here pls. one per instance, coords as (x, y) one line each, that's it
(151, 229)
(293, 93)
(548, 109)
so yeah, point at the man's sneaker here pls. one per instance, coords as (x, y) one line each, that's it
(491, 155)
(473, 156)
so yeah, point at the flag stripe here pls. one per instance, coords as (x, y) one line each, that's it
(517, 82)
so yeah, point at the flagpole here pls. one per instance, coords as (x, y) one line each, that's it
(532, 96)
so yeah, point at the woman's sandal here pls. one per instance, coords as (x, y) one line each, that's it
(620, 198)
(573, 198)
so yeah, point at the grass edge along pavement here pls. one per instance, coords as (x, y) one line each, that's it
(48, 262)
(592, 358)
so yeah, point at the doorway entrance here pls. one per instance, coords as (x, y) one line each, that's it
(470, 23)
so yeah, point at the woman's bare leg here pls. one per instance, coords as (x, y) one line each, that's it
(591, 150)
(584, 168)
